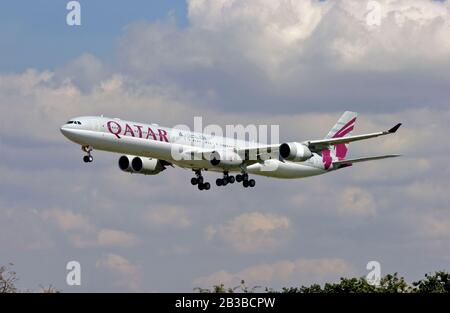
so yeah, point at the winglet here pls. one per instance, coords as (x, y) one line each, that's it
(394, 129)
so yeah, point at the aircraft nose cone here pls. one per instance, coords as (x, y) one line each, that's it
(63, 130)
(66, 131)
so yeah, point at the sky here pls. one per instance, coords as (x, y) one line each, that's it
(296, 64)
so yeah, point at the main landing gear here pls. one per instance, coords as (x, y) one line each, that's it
(88, 157)
(227, 179)
(245, 181)
(199, 181)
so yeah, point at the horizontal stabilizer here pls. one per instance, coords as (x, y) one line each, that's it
(325, 143)
(351, 161)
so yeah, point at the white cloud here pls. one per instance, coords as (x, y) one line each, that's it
(169, 216)
(125, 273)
(83, 234)
(22, 229)
(85, 72)
(427, 191)
(252, 232)
(112, 237)
(355, 201)
(277, 34)
(103, 238)
(68, 221)
(287, 273)
(297, 55)
(41, 102)
(435, 226)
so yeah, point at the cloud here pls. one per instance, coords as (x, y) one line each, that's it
(428, 191)
(21, 228)
(436, 226)
(83, 234)
(290, 32)
(356, 201)
(111, 237)
(171, 216)
(287, 273)
(252, 232)
(299, 55)
(86, 72)
(126, 274)
(104, 238)
(68, 221)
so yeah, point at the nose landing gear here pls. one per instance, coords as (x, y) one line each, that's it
(88, 157)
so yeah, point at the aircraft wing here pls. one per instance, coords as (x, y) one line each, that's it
(253, 154)
(313, 145)
(351, 161)
(321, 144)
(258, 153)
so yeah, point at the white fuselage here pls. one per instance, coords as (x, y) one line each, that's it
(154, 141)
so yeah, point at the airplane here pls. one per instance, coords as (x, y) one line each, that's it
(150, 149)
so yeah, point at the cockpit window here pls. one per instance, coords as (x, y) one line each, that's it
(74, 122)
(70, 122)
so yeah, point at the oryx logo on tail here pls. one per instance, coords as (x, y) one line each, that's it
(344, 126)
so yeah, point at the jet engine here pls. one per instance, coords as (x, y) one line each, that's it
(225, 159)
(295, 151)
(146, 166)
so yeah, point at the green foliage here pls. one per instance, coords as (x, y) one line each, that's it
(221, 289)
(437, 283)
(391, 283)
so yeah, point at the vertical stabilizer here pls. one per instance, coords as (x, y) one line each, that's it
(343, 127)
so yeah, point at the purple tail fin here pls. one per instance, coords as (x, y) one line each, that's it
(343, 127)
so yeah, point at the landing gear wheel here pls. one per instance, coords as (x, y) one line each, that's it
(88, 157)
(207, 186)
(219, 181)
(251, 183)
(244, 176)
(238, 178)
(198, 179)
(231, 179)
(224, 181)
(245, 183)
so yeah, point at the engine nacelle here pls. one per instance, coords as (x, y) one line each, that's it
(225, 159)
(294, 151)
(146, 166)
